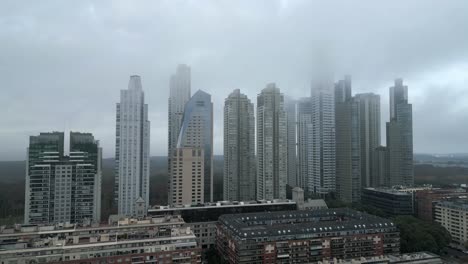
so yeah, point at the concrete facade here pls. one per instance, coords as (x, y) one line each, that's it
(59, 188)
(272, 163)
(132, 149)
(239, 148)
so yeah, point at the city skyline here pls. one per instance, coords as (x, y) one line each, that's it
(56, 62)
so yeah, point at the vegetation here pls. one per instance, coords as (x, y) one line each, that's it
(12, 175)
(417, 235)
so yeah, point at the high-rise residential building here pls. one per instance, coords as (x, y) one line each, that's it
(196, 133)
(290, 108)
(348, 152)
(272, 163)
(322, 178)
(381, 166)
(179, 94)
(369, 111)
(400, 136)
(59, 188)
(187, 185)
(239, 148)
(132, 147)
(304, 143)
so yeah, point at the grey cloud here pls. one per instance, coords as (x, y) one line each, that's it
(63, 63)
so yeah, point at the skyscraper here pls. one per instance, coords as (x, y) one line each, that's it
(132, 149)
(304, 143)
(369, 111)
(239, 148)
(63, 188)
(186, 178)
(179, 95)
(348, 154)
(272, 171)
(290, 108)
(400, 136)
(196, 132)
(322, 178)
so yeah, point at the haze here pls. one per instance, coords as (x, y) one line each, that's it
(62, 63)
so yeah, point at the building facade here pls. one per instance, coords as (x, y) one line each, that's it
(202, 219)
(132, 148)
(59, 188)
(290, 108)
(179, 94)
(369, 113)
(425, 201)
(400, 137)
(187, 166)
(391, 202)
(157, 240)
(322, 179)
(382, 174)
(348, 145)
(304, 143)
(239, 148)
(453, 215)
(304, 236)
(272, 150)
(196, 132)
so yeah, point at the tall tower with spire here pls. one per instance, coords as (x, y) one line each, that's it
(132, 149)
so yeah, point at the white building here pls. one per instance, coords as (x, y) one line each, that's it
(132, 148)
(322, 178)
(149, 240)
(453, 215)
(239, 148)
(272, 157)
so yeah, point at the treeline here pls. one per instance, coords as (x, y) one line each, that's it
(415, 235)
(12, 176)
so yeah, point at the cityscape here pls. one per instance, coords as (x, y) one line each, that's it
(328, 174)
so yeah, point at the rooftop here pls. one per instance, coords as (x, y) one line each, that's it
(267, 224)
(389, 191)
(223, 204)
(22, 230)
(460, 204)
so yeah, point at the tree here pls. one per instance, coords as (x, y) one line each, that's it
(417, 235)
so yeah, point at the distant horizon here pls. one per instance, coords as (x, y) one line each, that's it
(221, 155)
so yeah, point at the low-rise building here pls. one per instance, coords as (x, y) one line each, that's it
(409, 258)
(153, 240)
(390, 201)
(425, 201)
(304, 236)
(453, 215)
(202, 218)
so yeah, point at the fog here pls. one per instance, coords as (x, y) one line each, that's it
(62, 63)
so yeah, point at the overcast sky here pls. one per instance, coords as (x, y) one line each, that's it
(62, 63)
